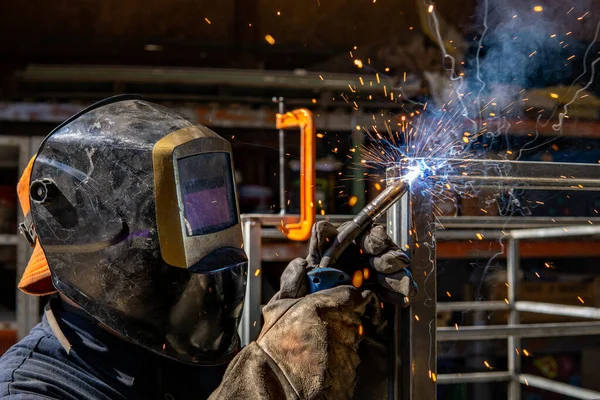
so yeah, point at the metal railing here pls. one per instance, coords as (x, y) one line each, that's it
(412, 225)
(514, 331)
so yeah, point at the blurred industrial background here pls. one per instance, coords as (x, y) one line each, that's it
(226, 63)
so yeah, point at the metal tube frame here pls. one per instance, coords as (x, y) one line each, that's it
(411, 224)
(491, 175)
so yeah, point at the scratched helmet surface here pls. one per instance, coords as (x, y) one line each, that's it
(136, 211)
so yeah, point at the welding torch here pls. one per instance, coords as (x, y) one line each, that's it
(324, 277)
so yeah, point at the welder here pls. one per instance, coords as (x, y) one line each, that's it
(132, 214)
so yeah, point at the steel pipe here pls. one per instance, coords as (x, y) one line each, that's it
(470, 234)
(514, 341)
(489, 332)
(10, 240)
(558, 387)
(277, 219)
(504, 223)
(558, 309)
(474, 377)
(250, 324)
(563, 231)
(451, 306)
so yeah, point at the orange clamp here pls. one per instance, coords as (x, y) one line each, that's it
(303, 119)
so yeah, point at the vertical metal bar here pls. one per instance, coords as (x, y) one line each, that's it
(28, 307)
(251, 317)
(281, 161)
(415, 348)
(397, 221)
(424, 317)
(514, 342)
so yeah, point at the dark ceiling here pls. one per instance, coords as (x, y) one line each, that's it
(118, 31)
(316, 35)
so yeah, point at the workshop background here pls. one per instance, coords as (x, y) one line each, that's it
(225, 63)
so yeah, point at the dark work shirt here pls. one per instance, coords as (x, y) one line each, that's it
(98, 365)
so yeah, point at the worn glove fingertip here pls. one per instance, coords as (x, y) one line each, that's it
(390, 262)
(293, 281)
(376, 241)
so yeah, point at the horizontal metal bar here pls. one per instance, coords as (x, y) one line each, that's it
(471, 306)
(488, 332)
(9, 240)
(279, 219)
(470, 234)
(558, 309)
(508, 223)
(558, 387)
(562, 231)
(474, 377)
(499, 174)
(196, 76)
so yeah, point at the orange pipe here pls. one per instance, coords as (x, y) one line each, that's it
(303, 119)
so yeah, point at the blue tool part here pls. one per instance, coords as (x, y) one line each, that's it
(326, 278)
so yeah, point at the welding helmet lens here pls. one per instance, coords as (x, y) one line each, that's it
(208, 200)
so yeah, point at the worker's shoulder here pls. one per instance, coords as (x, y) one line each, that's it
(37, 367)
(20, 362)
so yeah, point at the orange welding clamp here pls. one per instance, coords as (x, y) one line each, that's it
(303, 119)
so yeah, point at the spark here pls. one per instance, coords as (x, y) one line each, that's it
(583, 16)
(278, 13)
(430, 9)
(257, 272)
(538, 9)
(358, 63)
(571, 9)
(554, 95)
(487, 364)
(366, 273)
(270, 39)
(207, 20)
(352, 201)
(580, 299)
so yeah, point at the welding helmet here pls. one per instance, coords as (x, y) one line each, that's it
(135, 209)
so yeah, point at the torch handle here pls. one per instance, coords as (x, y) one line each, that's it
(363, 220)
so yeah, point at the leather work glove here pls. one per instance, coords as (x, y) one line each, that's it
(374, 260)
(307, 348)
(309, 345)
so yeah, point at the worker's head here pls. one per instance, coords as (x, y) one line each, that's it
(132, 213)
